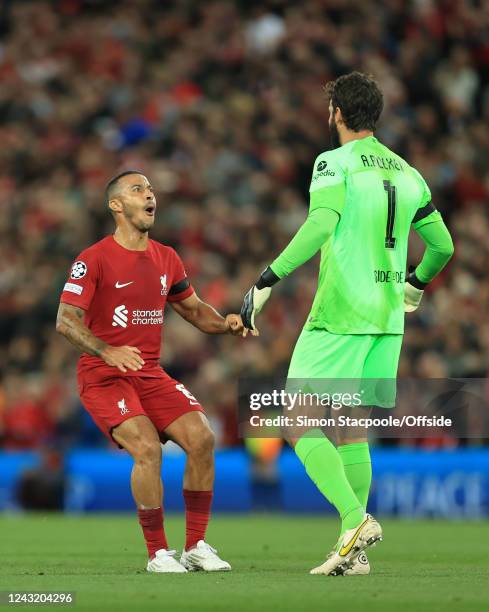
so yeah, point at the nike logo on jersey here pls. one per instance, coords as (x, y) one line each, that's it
(119, 285)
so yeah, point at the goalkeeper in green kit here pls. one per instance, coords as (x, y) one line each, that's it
(363, 200)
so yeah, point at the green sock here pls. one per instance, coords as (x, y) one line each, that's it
(358, 468)
(324, 466)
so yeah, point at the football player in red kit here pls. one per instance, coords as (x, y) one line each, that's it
(112, 310)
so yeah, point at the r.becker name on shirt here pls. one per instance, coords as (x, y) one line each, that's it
(388, 276)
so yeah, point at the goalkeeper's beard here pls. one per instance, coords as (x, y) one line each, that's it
(334, 135)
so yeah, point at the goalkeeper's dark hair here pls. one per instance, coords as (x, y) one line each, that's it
(359, 98)
(110, 187)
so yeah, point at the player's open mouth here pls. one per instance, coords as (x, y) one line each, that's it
(150, 210)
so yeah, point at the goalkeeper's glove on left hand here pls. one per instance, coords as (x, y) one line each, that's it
(256, 297)
(413, 291)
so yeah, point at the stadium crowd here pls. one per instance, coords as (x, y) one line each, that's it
(220, 104)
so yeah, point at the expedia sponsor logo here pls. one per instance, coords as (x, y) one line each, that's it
(322, 170)
(325, 173)
(121, 317)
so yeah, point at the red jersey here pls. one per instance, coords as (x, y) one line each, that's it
(123, 294)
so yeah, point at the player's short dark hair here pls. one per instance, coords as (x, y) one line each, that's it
(109, 188)
(359, 98)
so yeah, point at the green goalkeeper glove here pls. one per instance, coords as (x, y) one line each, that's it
(257, 296)
(413, 291)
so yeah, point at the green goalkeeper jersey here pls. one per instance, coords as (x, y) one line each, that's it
(362, 272)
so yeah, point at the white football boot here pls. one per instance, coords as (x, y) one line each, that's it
(164, 563)
(359, 567)
(203, 557)
(351, 544)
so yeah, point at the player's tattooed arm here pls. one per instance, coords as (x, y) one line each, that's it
(69, 323)
(206, 318)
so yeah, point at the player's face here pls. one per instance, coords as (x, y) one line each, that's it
(138, 201)
(334, 135)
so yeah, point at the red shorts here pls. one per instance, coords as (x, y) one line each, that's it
(112, 400)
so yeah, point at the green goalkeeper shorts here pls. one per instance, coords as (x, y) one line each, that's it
(359, 358)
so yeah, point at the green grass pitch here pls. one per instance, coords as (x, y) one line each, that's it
(419, 566)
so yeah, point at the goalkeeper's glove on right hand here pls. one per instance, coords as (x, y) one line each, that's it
(256, 297)
(413, 291)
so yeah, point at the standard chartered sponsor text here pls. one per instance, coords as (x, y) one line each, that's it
(147, 317)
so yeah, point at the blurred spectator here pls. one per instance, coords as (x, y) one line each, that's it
(220, 104)
(43, 487)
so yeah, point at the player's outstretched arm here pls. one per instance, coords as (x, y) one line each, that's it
(316, 230)
(206, 318)
(69, 323)
(311, 236)
(439, 250)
